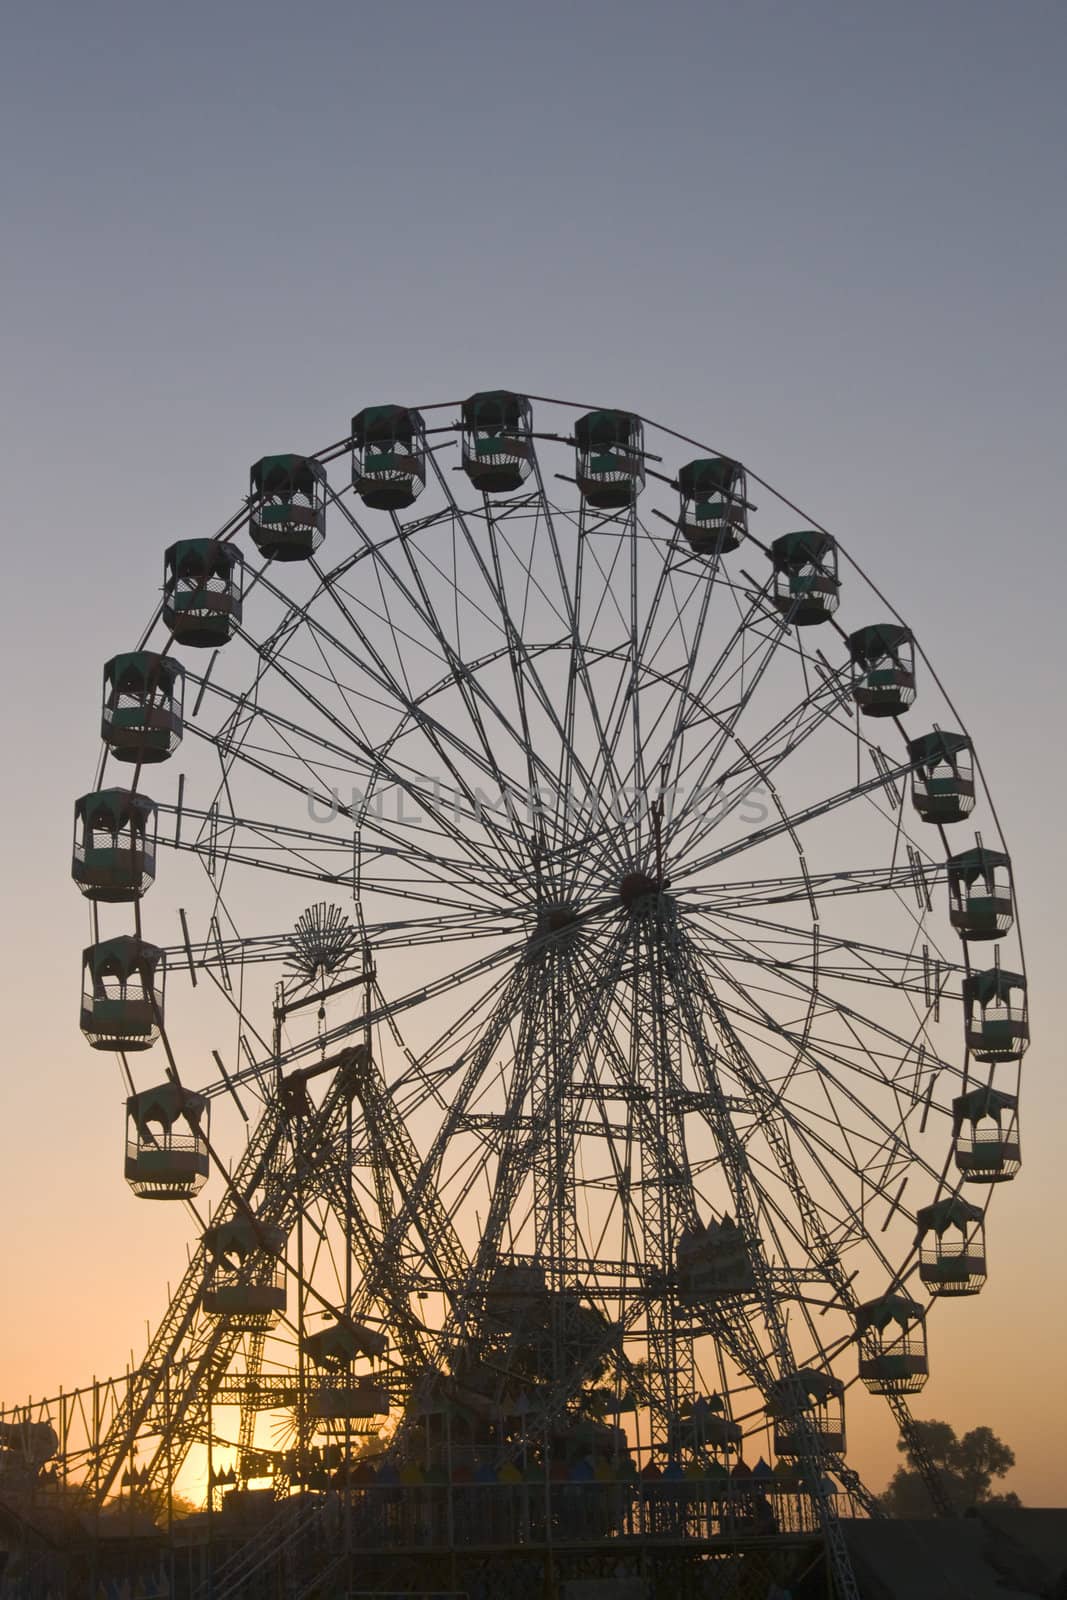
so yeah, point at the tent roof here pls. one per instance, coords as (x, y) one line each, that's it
(877, 639)
(195, 557)
(599, 430)
(709, 475)
(143, 666)
(993, 984)
(286, 474)
(984, 1101)
(496, 408)
(930, 748)
(121, 957)
(116, 806)
(793, 549)
(953, 1212)
(384, 424)
(890, 1308)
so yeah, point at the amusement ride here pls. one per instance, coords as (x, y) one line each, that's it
(537, 922)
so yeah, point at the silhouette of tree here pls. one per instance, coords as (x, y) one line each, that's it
(147, 1503)
(967, 1466)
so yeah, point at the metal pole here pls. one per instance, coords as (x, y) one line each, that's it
(301, 1396)
(210, 1500)
(170, 1477)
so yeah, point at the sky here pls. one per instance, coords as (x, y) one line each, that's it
(831, 238)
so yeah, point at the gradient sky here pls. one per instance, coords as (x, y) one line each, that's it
(830, 238)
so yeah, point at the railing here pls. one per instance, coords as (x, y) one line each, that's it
(115, 849)
(959, 1252)
(257, 1278)
(111, 1004)
(164, 1143)
(996, 895)
(292, 1521)
(990, 1148)
(911, 1343)
(443, 1516)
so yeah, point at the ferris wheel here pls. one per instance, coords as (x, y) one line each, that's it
(564, 939)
